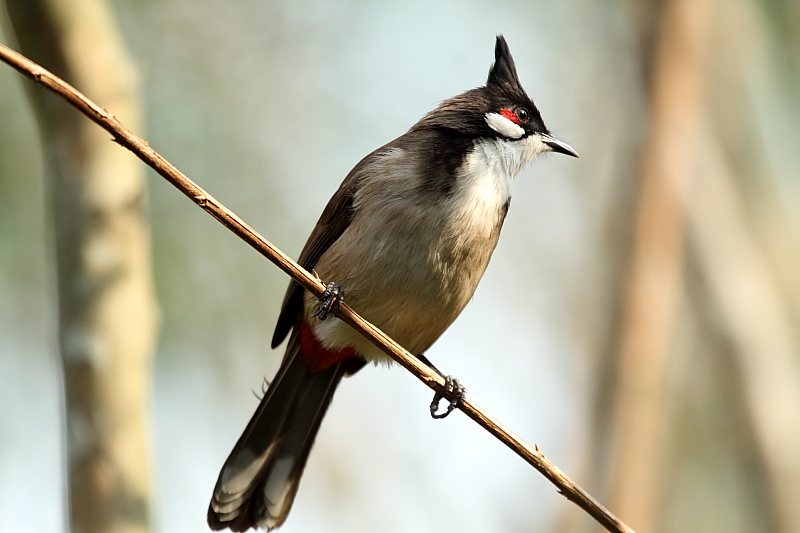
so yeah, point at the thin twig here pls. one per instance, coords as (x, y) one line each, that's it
(208, 203)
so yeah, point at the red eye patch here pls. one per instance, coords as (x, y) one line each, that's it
(510, 115)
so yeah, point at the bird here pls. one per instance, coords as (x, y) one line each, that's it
(407, 236)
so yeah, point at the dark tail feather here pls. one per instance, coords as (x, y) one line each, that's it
(259, 480)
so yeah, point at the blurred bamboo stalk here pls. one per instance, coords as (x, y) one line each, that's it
(651, 291)
(756, 322)
(107, 310)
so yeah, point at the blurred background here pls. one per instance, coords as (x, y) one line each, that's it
(639, 320)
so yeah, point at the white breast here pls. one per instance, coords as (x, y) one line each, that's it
(482, 191)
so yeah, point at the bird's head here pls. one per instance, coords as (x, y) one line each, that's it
(499, 110)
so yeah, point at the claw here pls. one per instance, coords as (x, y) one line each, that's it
(264, 387)
(333, 295)
(455, 390)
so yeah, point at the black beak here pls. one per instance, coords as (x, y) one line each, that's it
(558, 146)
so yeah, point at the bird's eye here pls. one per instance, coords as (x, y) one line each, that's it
(522, 114)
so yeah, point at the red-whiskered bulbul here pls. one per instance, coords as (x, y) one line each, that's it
(407, 235)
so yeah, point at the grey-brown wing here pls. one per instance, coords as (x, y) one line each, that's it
(335, 219)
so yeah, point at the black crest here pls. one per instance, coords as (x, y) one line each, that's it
(503, 72)
(466, 113)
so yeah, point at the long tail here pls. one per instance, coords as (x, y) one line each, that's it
(259, 480)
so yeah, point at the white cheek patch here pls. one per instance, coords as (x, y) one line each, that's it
(504, 126)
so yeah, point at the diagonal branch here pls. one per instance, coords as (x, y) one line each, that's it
(531, 454)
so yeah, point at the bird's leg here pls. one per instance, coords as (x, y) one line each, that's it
(333, 296)
(453, 388)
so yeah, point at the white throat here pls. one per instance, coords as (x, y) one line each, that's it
(484, 187)
(506, 157)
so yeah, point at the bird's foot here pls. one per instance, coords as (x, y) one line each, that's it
(332, 296)
(455, 390)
